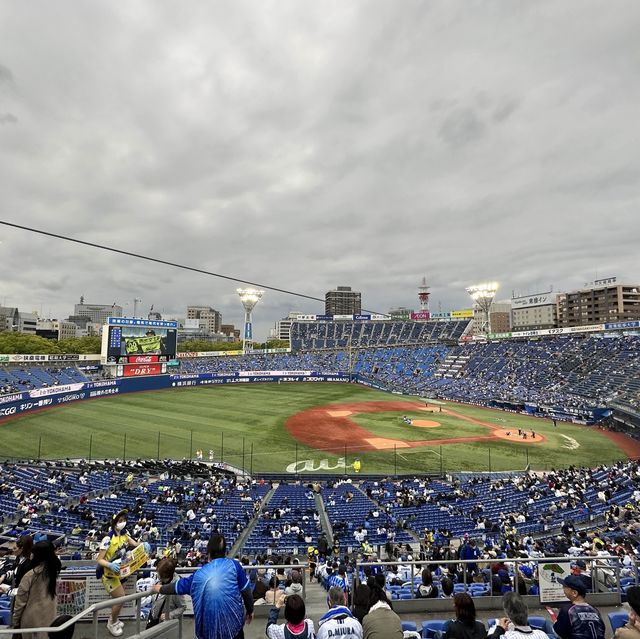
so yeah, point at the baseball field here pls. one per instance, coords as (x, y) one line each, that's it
(299, 428)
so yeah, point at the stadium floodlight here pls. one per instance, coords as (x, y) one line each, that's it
(483, 295)
(249, 298)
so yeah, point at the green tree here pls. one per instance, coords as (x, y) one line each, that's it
(23, 344)
(88, 345)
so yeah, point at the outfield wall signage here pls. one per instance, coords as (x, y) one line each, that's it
(20, 403)
(193, 354)
(363, 317)
(570, 330)
(8, 359)
(621, 325)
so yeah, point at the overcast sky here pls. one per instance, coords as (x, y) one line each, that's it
(307, 145)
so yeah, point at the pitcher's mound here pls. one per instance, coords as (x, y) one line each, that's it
(425, 423)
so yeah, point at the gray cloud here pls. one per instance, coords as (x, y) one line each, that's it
(309, 146)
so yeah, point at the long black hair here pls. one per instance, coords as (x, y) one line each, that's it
(44, 553)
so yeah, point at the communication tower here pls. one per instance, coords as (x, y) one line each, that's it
(423, 295)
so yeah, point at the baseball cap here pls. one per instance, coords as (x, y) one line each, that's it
(579, 563)
(574, 583)
(633, 598)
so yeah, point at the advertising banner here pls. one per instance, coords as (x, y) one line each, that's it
(538, 299)
(324, 318)
(420, 316)
(620, 325)
(138, 321)
(466, 313)
(137, 370)
(55, 390)
(362, 317)
(143, 359)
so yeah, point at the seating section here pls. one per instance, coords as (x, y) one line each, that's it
(18, 379)
(288, 523)
(311, 336)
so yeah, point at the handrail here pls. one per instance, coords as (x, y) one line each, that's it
(92, 609)
(594, 562)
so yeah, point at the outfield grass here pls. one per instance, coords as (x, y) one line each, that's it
(175, 423)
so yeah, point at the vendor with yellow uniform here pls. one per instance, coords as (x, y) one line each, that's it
(113, 549)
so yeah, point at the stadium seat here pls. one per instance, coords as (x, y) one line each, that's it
(409, 625)
(430, 627)
(617, 619)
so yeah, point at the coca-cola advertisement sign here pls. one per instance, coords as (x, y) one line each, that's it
(143, 359)
(138, 370)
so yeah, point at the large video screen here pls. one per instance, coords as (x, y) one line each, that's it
(130, 343)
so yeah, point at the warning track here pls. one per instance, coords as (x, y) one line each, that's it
(330, 428)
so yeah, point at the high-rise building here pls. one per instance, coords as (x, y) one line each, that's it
(599, 302)
(12, 319)
(56, 329)
(97, 313)
(230, 330)
(210, 319)
(282, 329)
(343, 301)
(534, 312)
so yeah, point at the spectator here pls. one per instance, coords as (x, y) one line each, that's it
(218, 590)
(35, 603)
(339, 621)
(295, 587)
(631, 630)
(447, 587)
(113, 550)
(166, 606)
(361, 596)
(465, 625)
(426, 589)
(381, 622)
(21, 565)
(579, 569)
(296, 626)
(578, 620)
(515, 624)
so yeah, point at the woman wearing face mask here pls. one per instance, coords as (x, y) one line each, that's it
(113, 549)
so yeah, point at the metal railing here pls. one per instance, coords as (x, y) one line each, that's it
(160, 629)
(605, 570)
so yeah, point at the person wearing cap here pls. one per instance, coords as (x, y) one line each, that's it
(113, 549)
(578, 619)
(631, 630)
(579, 569)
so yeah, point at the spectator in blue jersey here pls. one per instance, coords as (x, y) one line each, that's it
(339, 578)
(578, 619)
(338, 621)
(220, 593)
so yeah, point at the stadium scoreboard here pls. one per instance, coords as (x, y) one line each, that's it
(135, 347)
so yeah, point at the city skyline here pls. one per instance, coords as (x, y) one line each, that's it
(309, 146)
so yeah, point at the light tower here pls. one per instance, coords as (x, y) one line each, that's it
(249, 298)
(423, 295)
(482, 295)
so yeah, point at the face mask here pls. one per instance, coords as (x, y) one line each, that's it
(121, 525)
